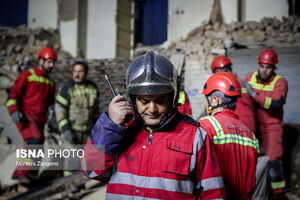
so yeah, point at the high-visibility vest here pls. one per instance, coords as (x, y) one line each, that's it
(221, 138)
(258, 86)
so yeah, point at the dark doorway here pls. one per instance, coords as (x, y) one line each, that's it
(294, 7)
(13, 12)
(151, 21)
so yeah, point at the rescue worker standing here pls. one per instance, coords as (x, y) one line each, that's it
(159, 153)
(269, 91)
(236, 146)
(76, 106)
(31, 96)
(245, 105)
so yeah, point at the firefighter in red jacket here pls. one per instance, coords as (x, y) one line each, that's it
(269, 91)
(29, 100)
(159, 153)
(245, 105)
(236, 146)
(184, 105)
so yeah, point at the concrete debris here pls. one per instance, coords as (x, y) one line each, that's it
(4, 140)
(3, 97)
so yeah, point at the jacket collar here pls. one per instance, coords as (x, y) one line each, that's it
(227, 112)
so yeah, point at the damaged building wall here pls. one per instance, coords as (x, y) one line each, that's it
(101, 32)
(97, 17)
(42, 14)
(184, 16)
(68, 25)
(257, 9)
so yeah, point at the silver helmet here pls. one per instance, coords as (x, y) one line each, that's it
(151, 74)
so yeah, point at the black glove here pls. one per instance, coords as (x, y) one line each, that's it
(250, 90)
(16, 116)
(68, 136)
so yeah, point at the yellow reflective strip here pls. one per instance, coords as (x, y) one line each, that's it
(232, 138)
(79, 127)
(62, 123)
(181, 98)
(39, 79)
(62, 100)
(258, 86)
(222, 138)
(67, 173)
(244, 90)
(90, 91)
(217, 126)
(149, 129)
(75, 92)
(11, 102)
(279, 184)
(276, 78)
(31, 70)
(25, 160)
(268, 103)
(256, 141)
(253, 78)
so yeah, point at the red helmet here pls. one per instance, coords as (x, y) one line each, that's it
(47, 53)
(224, 82)
(219, 62)
(268, 56)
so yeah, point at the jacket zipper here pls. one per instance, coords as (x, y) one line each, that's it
(150, 137)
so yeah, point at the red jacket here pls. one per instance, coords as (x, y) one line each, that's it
(237, 151)
(184, 106)
(270, 97)
(245, 108)
(162, 164)
(32, 92)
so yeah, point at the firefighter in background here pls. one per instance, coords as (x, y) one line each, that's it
(159, 153)
(236, 146)
(269, 91)
(184, 105)
(77, 108)
(245, 105)
(31, 96)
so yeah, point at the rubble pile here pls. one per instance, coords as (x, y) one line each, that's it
(18, 45)
(214, 38)
(19, 48)
(210, 39)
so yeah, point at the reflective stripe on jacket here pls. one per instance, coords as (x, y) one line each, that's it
(32, 92)
(159, 164)
(237, 150)
(184, 105)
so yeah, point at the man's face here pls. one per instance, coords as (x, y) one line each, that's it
(152, 108)
(79, 75)
(265, 71)
(47, 65)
